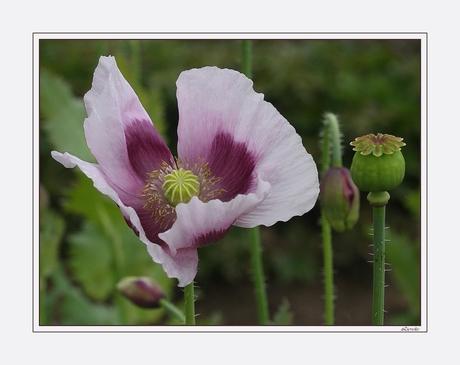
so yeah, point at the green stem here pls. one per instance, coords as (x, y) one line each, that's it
(258, 276)
(172, 309)
(246, 59)
(102, 48)
(332, 153)
(328, 271)
(332, 132)
(256, 250)
(189, 297)
(378, 296)
(135, 51)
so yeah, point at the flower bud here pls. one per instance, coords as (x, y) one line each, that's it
(378, 164)
(142, 291)
(339, 198)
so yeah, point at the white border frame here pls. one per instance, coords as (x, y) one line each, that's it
(423, 37)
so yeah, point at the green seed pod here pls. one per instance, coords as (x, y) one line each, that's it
(180, 186)
(378, 164)
(339, 198)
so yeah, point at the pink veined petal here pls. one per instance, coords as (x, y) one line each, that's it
(199, 224)
(213, 103)
(118, 130)
(185, 260)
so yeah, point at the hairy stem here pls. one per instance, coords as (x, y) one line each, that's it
(189, 297)
(378, 301)
(328, 271)
(332, 154)
(258, 276)
(332, 132)
(378, 200)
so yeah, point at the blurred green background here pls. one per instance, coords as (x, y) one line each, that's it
(86, 248)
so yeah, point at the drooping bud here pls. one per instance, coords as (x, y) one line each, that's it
(339, 198)
(142, 291)
(378, 164)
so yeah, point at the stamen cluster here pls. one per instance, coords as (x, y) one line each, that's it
(172, 184)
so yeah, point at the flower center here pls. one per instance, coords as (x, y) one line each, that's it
(175, 183)
(180, 186)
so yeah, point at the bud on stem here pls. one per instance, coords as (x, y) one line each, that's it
(339, 198)
(142, 291)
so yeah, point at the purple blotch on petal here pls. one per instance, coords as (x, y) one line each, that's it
(209, 237)
(151, 228)
(233, 164)
(146, 149)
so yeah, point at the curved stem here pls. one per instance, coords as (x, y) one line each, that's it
(189, 297)
(172, 309)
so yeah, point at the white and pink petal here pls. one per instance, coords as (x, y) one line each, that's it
(183, 265)
(238, 132)
(118, 130)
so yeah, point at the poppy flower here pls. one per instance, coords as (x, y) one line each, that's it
(239, 163)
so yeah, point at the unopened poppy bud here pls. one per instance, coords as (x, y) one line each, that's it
(142, 291)
(339, 198)
(378, 164)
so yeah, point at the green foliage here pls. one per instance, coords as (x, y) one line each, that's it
(404, 262)
(52, 228)
(92, 262)
(76, 309)
(64, 115)
(105, 250)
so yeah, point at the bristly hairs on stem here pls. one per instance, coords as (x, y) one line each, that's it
(331, 139)
(331, 146)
